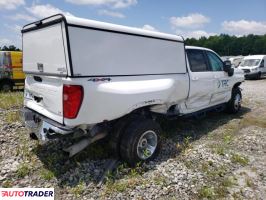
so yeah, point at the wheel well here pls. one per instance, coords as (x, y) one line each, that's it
(237, 84)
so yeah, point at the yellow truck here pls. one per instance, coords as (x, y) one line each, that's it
(11, 74)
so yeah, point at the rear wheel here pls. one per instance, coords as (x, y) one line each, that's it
(6, 86)
(140, 141)
(234, 105)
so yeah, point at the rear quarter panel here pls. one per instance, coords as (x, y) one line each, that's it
(114, 97)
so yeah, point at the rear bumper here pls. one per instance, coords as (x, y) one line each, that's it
(43, 127)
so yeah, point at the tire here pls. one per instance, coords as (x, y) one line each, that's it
(115, 136)
(140, 141)
(6, 86)
(258, 76)
(234, 105)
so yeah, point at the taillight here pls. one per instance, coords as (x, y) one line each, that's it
(72, 99)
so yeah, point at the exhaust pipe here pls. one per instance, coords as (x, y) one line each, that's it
(82, 144)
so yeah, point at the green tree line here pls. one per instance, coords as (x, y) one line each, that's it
(226, 45)
(223, 44)
(9, 48)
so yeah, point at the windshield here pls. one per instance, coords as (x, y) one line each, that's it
(250, 62)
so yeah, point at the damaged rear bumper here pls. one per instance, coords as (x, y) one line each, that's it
(43, 127)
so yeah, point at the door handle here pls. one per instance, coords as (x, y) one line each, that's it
(216, 76)
(195, 78)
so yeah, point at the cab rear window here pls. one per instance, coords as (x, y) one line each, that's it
(197, 60)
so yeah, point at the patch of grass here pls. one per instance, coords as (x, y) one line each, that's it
(135, 172)
(112, 186)
(237, 195)
(205, 167)
(7, 184)
(220, 150)
(206, 192)
(160, 180)
(216, 172)
(227, 138)
(11, 100)
(249, 182)
(46, 174)
(189, 164)
(78, 189)
(120, 186)
(132, 179)
(186, 145)
(187, 142)
(228, 182)
(23, 170)
(218, 191)
(12, 116)
(239, 159)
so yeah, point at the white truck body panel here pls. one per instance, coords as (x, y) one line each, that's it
(120, 69)
(111, 100)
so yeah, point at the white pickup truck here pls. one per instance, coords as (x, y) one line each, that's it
(87, 79)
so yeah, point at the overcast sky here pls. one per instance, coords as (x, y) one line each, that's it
(189, 18)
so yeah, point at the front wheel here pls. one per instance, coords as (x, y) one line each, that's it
(140, 141)
(258, 76)
(234, 105)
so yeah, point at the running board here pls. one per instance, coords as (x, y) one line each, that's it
(172, 114)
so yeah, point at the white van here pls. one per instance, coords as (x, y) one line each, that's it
(88, 79)
(254, 66)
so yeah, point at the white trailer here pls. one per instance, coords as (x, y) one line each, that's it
(91, 79)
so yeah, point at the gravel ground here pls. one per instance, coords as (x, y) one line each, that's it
(218, 157)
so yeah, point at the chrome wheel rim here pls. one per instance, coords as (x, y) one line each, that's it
(147, 145)
(237, 102)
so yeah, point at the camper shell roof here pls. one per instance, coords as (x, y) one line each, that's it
(92, 24)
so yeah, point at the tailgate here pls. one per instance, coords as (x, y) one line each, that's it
(44, 50)
(43, 94)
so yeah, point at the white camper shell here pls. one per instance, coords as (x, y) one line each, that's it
(91, 79)
(144, 52)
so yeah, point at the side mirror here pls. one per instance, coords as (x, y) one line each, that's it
(227, 66)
